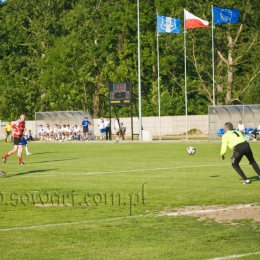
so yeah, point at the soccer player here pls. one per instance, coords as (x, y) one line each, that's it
(236, 141)
(18, 128)
(85, 123)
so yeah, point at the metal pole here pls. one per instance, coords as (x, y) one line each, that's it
(213, 59)
(139, 76)
(185, 79)
(158, 78)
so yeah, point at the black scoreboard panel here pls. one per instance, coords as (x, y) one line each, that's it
(119, 94)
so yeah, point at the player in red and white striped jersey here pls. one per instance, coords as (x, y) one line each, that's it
(18, 129)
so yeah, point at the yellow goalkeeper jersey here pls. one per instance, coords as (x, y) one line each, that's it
(230, 139)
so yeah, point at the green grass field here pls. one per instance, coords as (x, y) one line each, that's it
(101, 200)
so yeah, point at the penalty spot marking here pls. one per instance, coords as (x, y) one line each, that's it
(205, 211)
(124, 217)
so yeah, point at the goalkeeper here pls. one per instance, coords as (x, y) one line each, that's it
(236, 141)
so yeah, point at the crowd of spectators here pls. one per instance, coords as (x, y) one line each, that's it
(62, 133)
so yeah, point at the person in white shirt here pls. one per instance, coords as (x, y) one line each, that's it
(256, 132)
(108, 129)
(49, 133)
(76, 133)
(241, 127)
(63, 132)
(42, 132)
(68, 133)
(56, 132)
(116, 127)
(102, 128)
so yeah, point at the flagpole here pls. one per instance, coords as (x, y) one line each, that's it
(185, 78)
(139, 75)
(213, 58)
(158, 79)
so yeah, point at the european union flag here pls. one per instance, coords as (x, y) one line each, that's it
(224, 15)
(168, 24)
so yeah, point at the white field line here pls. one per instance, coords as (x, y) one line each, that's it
(68, 223)
(234, 256)
(137, 170)
(159, 169)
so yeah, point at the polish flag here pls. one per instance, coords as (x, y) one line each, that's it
(192, 21)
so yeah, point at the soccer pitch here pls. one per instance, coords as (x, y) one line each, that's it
(106, 200)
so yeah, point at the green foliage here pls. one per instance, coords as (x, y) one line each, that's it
(62, 55)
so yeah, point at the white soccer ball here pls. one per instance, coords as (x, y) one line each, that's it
(191, 150)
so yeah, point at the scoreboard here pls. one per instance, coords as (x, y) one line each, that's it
(119, 94)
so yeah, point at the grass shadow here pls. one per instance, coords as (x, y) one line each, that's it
(29, 172)
(42, 153)
(255, 178)
(65, 159)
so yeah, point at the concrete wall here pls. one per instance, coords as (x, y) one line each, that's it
(170, 125)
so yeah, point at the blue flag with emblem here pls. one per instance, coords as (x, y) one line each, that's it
(225, 15)
(168, 24)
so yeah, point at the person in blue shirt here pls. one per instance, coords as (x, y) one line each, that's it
(30, 136)
(85, 123)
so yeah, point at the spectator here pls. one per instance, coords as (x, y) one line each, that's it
(63, 132)
(102, 128)
(8, 129)
(68, 133)
(108, 129)
(256, 132)
(49, 133)
(76, 133)
(116, 126)
(121, 133)
(241, 127)
(30, 136)
(85, 129)
(42, 132)
(56, 132)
